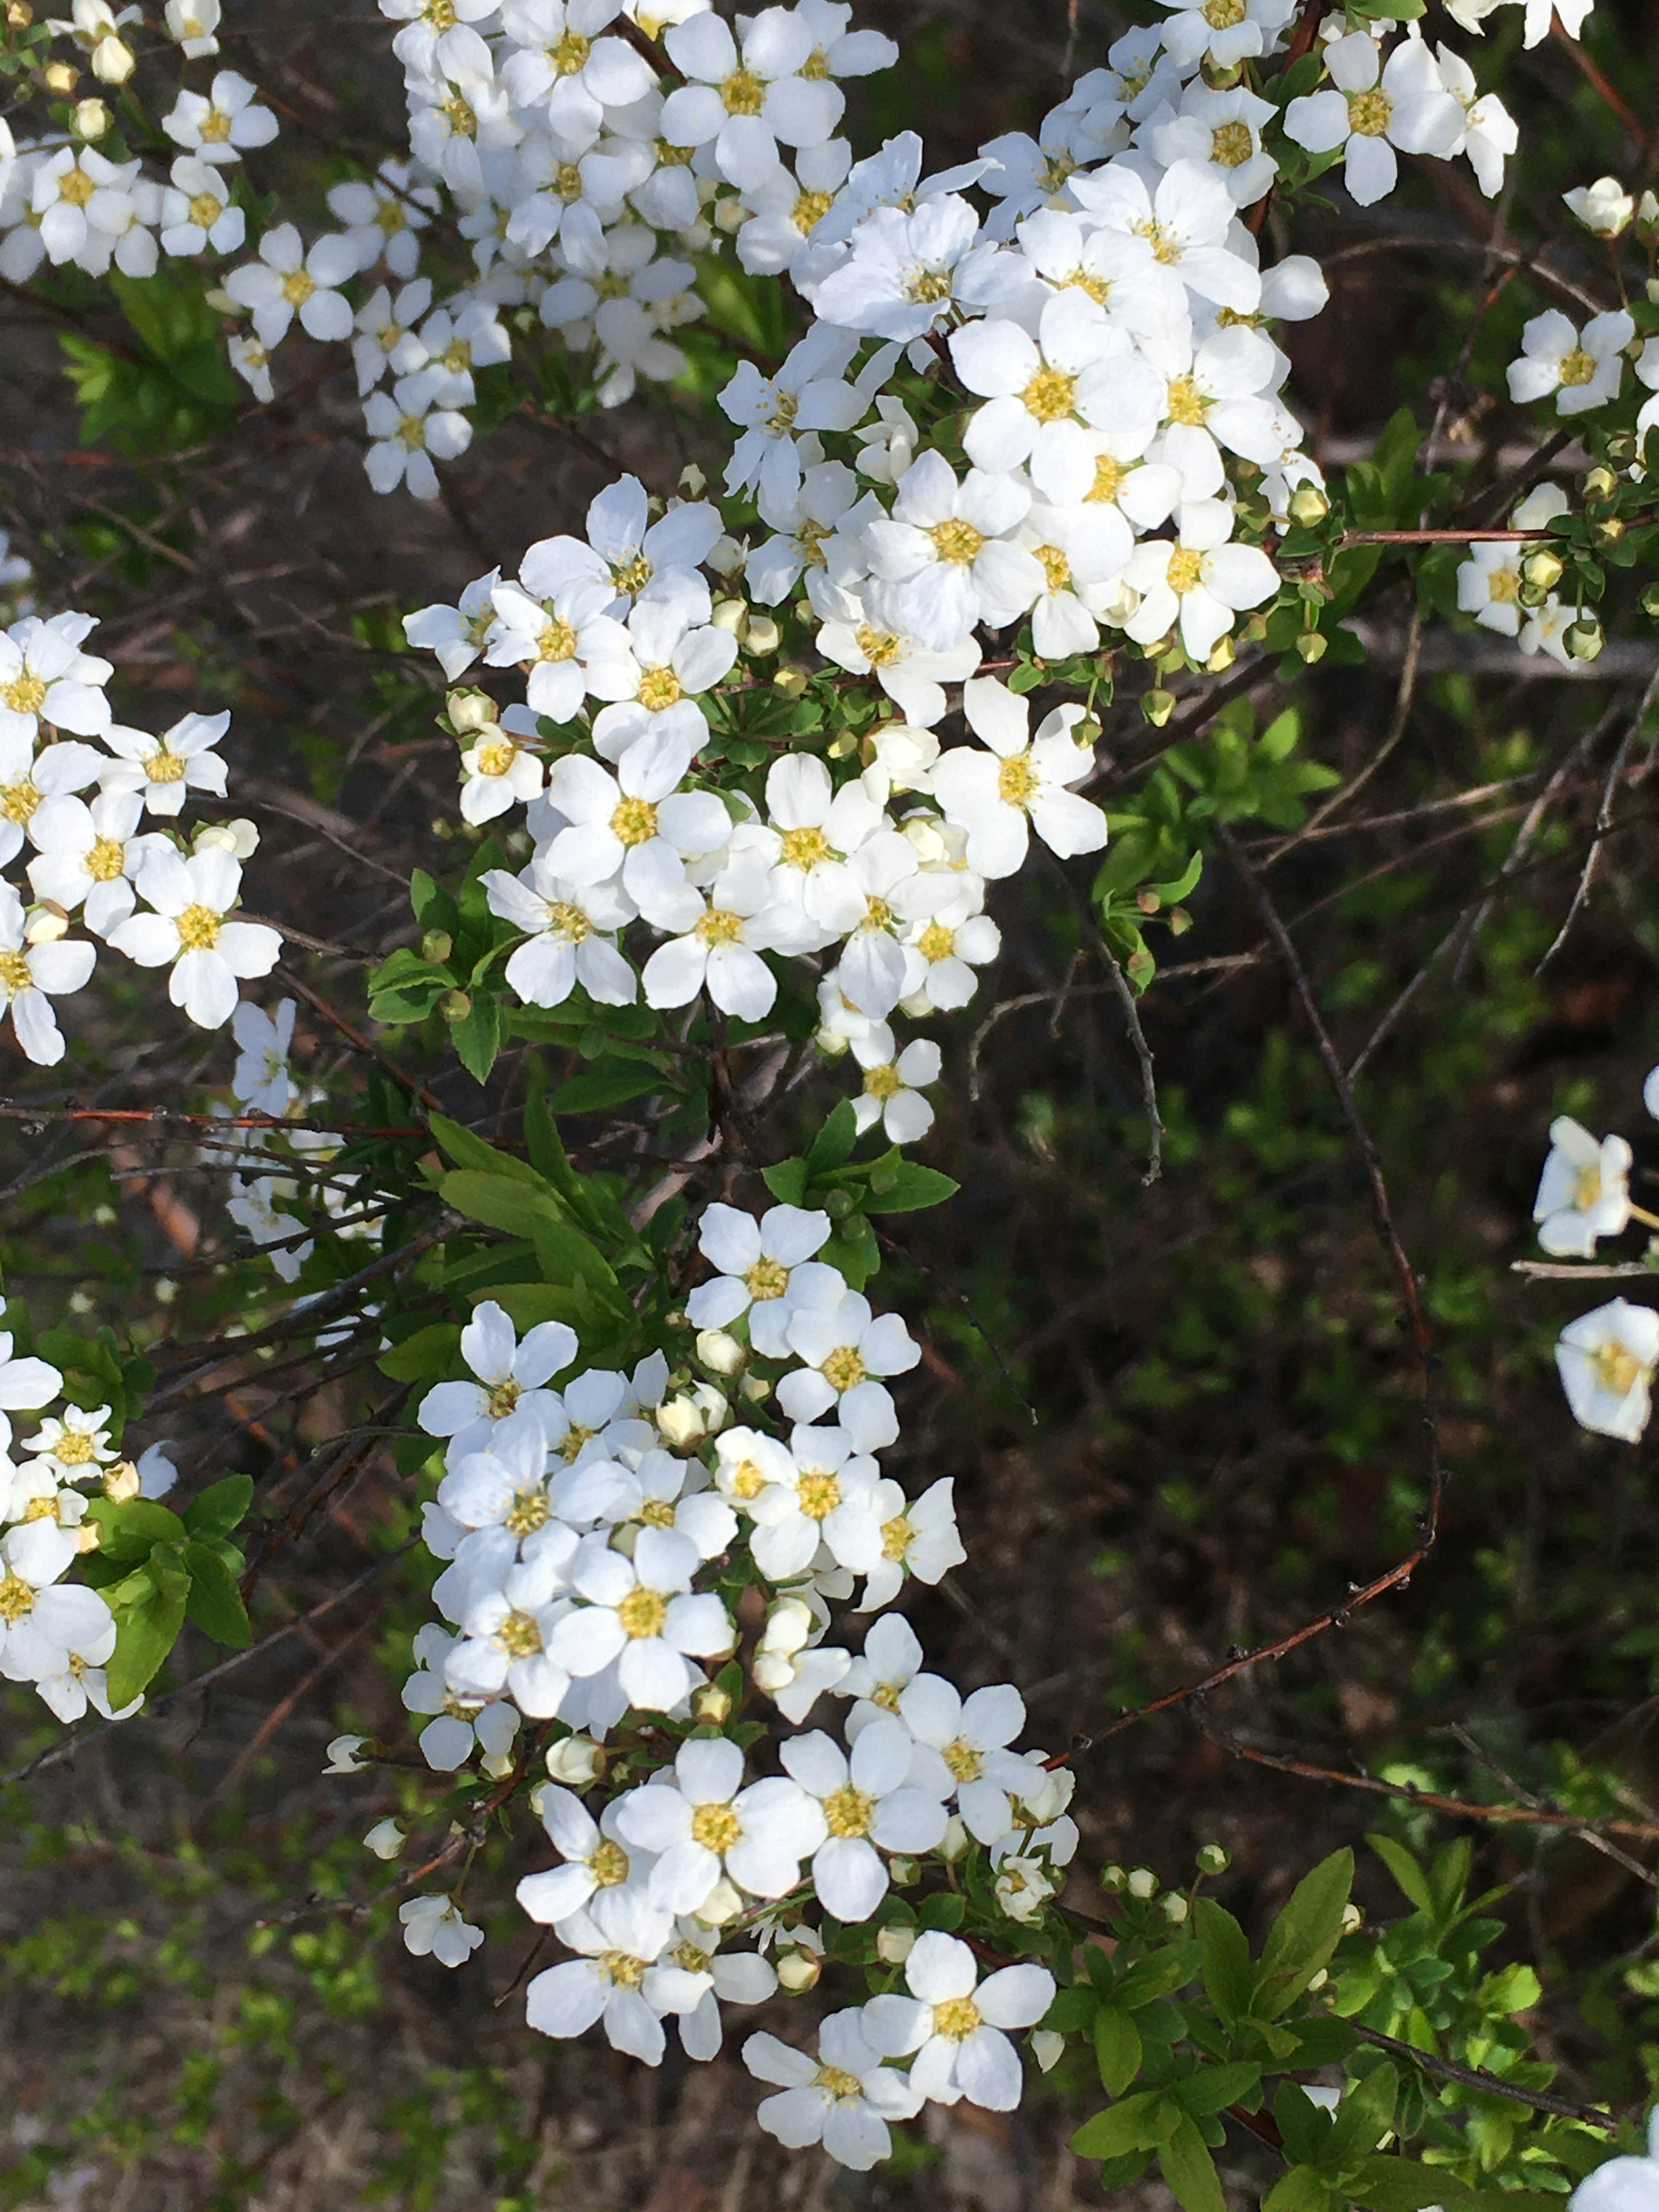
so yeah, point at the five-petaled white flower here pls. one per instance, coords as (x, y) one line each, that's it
(1199, 580)
(1019, 784)
(217, 126)
(509, 1378)
(624, 1979)
(640, 1614)
(970, 1738)
(190, 929)
(1582, 371)
(32, 976)
(1606, 1360)
(286, 281)
(894, 1081)
(844, 2099)
(868, 1801)
(767, 1271)
(434, 1928)
(1584, 1191)
(846, 1348)
(956, 2024)
(1371, 107)
(703, 1822)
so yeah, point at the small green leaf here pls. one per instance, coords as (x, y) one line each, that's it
(1406, 1871)
(1158, 1975)
(146, 1627)
(612, 1085)
(786, 1180)
(1227, 1977)
(220, 1508)
(428, 1356)
(1212, 2088)
(906, 1188)
(129, 1530)
(1303, 1936)
(1117, 2049)
(469, 1152)
(1120, 2128)
(834, 1143)
(1189, 2168)
(214, 1603)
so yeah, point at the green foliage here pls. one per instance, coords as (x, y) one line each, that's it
(167, 384)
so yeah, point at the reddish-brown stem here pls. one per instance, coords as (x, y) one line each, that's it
(1594, 78)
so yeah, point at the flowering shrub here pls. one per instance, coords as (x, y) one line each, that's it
(739, 773)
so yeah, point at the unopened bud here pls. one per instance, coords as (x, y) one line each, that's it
(121, 1481)
(385, 1839)
(214, 837)
(1647, 217)
(788, 1624)
(904, 1871)
(245, 834)
(19, 14)
(1313, 645)
(723, 1902)
(953, 1844)
(457, 1006)
(1158, 707)
(712, 1405)
(436, 946)
(46, 924)
(764, 635)
(1309, 505)
(575, 1760)
(1608, 532)
(1543, 570)
(89, 1536)
(90, 119)
(712, 1703)
(693, 481)
(1650, 603)
(772, 1671)
(895, 1943)
(754, 1388)
(1585, 639)
(791, 681)
(733, 615)
(799, 1971)
(60, 77)
(1222, 658)
(1142, 1882)
(721, 1352)
(1353, 1917)
(680, 1423)
(1173, 1907)
(1047, 2048)
(729, 215)
(725, 556)
(1113, 1878)
(1601, 484)
(470, 710)
(1318, 1981)
(496, 1764)
(1213, 1858)
(1179, 919)
(112, 60)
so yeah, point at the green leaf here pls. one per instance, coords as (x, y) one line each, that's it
(834, 1143)
(1117, 2049)
(1303, 1936)
(906, 1187)
(1363, 2116)
(1189, 2170)
(1406, 1873)
(612, 1085)
(1399, 2184)
(128, 1531)
(943, 1911)
(566, 1255)
(499, 1201)
(786, 1180)
(428, 1356)
(1071, 2009)
(147, 1625)
(1301, 2190)
(477, 1035)
(526, 1306)
(1125, 2127)
(1158, 1975)
(1227, 1977)
(220, 1508)
(469, 1152)
(1305, 2126)
(214, 1603)
(1212, 2088)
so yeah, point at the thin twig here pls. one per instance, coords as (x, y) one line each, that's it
(1125, 998)
(1603, 821)
(1477, 2077)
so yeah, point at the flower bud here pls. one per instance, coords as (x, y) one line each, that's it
(19, 14)
(791, 681)
(1599, 483)
(723, 1902)
(799, 1971)
(788, 1624)
(1179, 919)
(772, 1671)
(1222, 658)
(496, 1765)
(1585, 639)
(1604, 208)
(725, 556)
(1609, 532)
(754, 1388)
(1213, 1858)
(904, 1871)
(1142, 1882)
(1309, 505)
(1047, 2048)
(89, 1536)
(60, 77)
(679, 1423)
(729, 215)
(1158, 707)
(1173, 1907)
(712, 1703)
(733, 615)
(1650, 603)
(436, 946)
(90, 119)
(1318, 1981)
(46, 924)
(576, 1761)
(121, 1481)
(386, 1839)
(1313, 645)
(1647, 217)
(895, 1943)
(345, 1754)
(1353, 1917)
(1113, 1878)
(470, 710)
(112, 60)
(214, 837)
(1542, 570)
(693, 481)
(721, 1352)
(763, 634)
(711, 1405)
(245, 835)
(953, 1844)
(456, 1004)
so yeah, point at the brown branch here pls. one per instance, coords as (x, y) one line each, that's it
(1603, 822)
(1477, 2077)
(1439, 538)
(1594, 76)
(356, 1036)
(165, 1117)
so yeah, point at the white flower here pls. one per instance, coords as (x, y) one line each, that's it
(843, 2100)
(893, 1084)
(1223, 129)
(168, 768)
(385, 334)
(822, 1493)
(43, 1620)
(386, 1839)
(89, 855)
(1019, 784)
(947, 949)
(1490, 132)
(1182, 226)
(1623, 2185)
(720, 949)
(197, 213)
(1581, 372)
(744, 101)
(1540, 13)
(286, 281)
(219, 126)
(384, 218)
(252, 362)
(83, 1680)
(675, 656)
(1078, 365)
(636, 828)
(766, 1271)
(192, 23)
(31, 976)
(464, 334)
(458, 633)
(1023, 1887)
(455, 118)
(24, 1384)
(1584, 1192)
(344, 1755)
(1374, 107)
(891, 1660)
(703, 1823)
(595, 1857)
(954, 2023)
(846, 1347)
(1489, 585)
(252, 1205)
(554, 622)
(971, 1737)
(908, 268)
(638, 1614)
(457, 1723)
(510, 1375)
(868, 1801)
(508, 1624)
(1200, 580)
(570, 936)
(434, 1928)
(650, 560)
(808, 392)
(623, 1980)
(918, 1537)
(260, 1080)
(1604, 208)
(45, 678)
(75, 1447)
(560, 64)
(407, 429)
(83, 203)
(1606, 1359)
(1223, 36)
(949, 553)
(911, 674)
(209, 954)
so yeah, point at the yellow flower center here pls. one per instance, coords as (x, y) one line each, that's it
(74, 1446)
(75, 186)
(884, 1082)
(804, 848)
(659, 689)
(1186, 404)
(1050, 394)
(848, 1812)
(1230, 144)
(688, 1956)
(1618, 1369)
(500, 1399)
(567, 182)
(198, 928)
(1224, 14)
(671, 157)
(816, 67)
(1017, 781)
(1186, 570)
(785, 409)
(887, 1696)
(439, 13)
(462, 122)
(877, 914)
(568, 922)
(955, 2019)
(1098, 288)
(657, 1513)
(843, 1369)
(390, 218)
(1578, 368)
(808, 542)
(896, 1537)
(19, 801)
(613, 286)
(569, 1445)
(719, 926)
(1056, 170)
(745, 1479)
(1503, 587)
(16, 1599)
(41, 1509)
(457, 355)
(1056, 569)
(809, 208)
(642, 1613)
(936, 942)
(835, 2081)
(965, 1762)
(519, 1636)
(956, 541)
(716, 1828)
(817, 1495)
(608, 1864)
(879, 646)
(205, 211)
(743, 93)
(929, 286)
(1370, 112)
(767, 1278)
(495, 756)
(15, 975)
(165, 766)
(530, 1511)
(1166, 245)
(411, 432)
(25, 694)
(631, 577)
(622, 1970)
(558, 641)
(1586, 1188)
(635, 822)
(298, 286)
(570, 54)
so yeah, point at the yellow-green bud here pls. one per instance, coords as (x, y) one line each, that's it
(1213, 1858)
(1601, 484)
(1543, 570)
(436, 947)
(1222, 658)
(791, 681)
(1313, 645)
(1309, 505)
(90, 119)
(711, 1702)
(1158, 707)
(1585, 639)
(457, 1006)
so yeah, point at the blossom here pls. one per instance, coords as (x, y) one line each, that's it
(32, 976)
(1019, 783)
(24, 1384)
(509, 1376)
(45, 678)
(1490, 132)
(570, 936)
(557, 624)
(638, 1614)
(1078, 365)
(918, 1536)
(635, 827)
(720, 951)
(1583, 371)
(458, 633)
(560, 64)
(457, 1724)
(971, 1737)
(1199, 580)
(623, 1980)
(820, 1494)
(188, 928)
(43, 1619)
(384, 218)
(1222, 36)
(651, 560)
(844, 2099)
(507, 1625)
(1182, 226)
(908, 268)
(1604, 208)
(674, 655)
(948, 550)
(947, 948)
(808, 392)
(1374, 107)
(595, 1857)
(766, 1270)
(88, 856)
(385, 334)
(219, 126)
(433, 1927)
(1584, 1192)
(746, 99)
(911, 673)
(260, 1080)
(1606, 1360)
(1224, 130)
(1622, 2184)
(846, 1347)
(192, 23)
(168, 768)
(703, 1822)
(893, 1084)
(868, 1801)
(954, 2023)
(286, 280)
